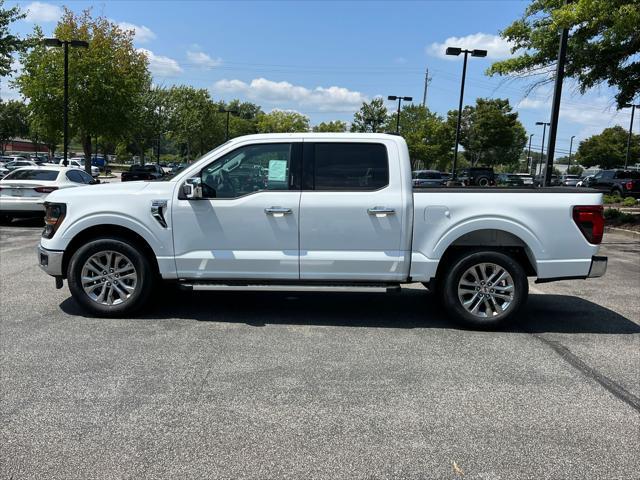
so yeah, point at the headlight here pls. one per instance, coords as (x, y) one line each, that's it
(53, 217)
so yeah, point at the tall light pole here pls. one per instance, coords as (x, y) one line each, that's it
(406, 99)
(633, 111)
(455, 51)
(228, 112)
(570, 148)
(529, 159)
(544, 131)
(55, 42)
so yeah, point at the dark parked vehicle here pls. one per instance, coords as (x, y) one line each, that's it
(509, 180)
(143, 172)
(625, 183)
(477, 177)
(428, 178)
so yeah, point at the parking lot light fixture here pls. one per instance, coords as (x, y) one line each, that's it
(228, 112)
(56, 42)
(570, 149)
(399, 99)
(628, 155)
(455, 51)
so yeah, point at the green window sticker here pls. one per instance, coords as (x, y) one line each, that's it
(277, 170)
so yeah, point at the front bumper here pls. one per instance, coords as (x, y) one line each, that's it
(50, 261)
(598, 267)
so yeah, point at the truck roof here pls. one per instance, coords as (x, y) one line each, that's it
(319, 135)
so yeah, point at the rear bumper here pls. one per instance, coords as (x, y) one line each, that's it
(598, 267)
(21, 205)
(50, 261)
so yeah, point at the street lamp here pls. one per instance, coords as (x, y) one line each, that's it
(455, 51)
(54, 42)
(544, 131)
(570, 148)
(227, 111)
(529, 159)
(395, 97)
(633, 111)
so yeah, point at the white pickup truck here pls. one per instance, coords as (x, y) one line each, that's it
(318, 212)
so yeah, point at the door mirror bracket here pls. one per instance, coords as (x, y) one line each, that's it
(191, 189)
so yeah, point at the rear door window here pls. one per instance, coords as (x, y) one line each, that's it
(350, 166)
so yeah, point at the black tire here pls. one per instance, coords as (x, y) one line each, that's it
(146, 277)
(452, 276)
(5, 219)
(616, 192)
(482, 181)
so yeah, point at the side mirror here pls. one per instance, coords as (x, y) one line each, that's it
(192, 189)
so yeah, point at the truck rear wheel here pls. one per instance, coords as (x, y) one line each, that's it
(484, 289)
(110, 277)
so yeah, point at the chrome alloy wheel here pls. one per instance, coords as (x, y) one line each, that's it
(486, 290)
(109, 278)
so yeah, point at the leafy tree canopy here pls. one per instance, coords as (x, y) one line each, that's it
(333, 126)
(608, 149)
(107, 81)
(9, 43)
(603, 46)
(371, 117)
(491, 133)
(280, 121)
(13, 121)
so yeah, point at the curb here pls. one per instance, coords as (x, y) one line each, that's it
(623, 232)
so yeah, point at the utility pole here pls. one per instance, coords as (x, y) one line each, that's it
(555, 107)
(570, 148)
(529, 159)
(544, 131)
(427, 81)
(633, 111)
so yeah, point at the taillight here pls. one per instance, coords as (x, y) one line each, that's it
(590, 221)
(45, 189)
(629, 185)
(53, 217)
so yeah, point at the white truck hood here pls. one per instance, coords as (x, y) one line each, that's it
(103, 191)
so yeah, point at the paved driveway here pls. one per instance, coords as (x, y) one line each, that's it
(237, 385)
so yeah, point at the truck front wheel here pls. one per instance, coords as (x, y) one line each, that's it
(110, 277)
(484, 289)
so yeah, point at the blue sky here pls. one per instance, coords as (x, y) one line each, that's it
(323, 58)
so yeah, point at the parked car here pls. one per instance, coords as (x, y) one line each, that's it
(569, 180)
(4, 160)
(584, 181)
(78, 162)
(428, 178)
(554, 181)
(527, 179)
(509, 180)
(477, 176)
(23, 191)
(3, 172)
(332, 215)
(150, 171)
(625, 183)
(14, 165)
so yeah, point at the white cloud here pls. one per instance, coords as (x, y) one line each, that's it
(160, 65)
(42, 12)
(203, 60)
(263, 90)
(495, 46)
(143, 34)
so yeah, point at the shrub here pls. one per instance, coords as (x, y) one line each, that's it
(629, 202)
(609, 199)
(612, 213)
(627, 218)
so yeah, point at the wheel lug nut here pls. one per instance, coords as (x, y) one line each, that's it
(108, 284)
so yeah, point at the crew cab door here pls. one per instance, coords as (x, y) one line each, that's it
(246, 224)
(352, 212)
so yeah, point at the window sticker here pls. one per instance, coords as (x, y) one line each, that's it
(277, 170)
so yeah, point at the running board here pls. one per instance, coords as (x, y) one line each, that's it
(217, 287)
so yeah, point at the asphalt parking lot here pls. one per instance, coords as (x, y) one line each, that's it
(264, 385)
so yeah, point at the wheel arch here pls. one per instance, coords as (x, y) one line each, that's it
(108, 231)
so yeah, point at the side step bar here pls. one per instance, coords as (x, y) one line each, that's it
(274, 287)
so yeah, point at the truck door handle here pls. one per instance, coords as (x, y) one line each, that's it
(277, 211)
(381, 211)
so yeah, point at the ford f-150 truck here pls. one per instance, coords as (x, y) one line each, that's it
(318, 212)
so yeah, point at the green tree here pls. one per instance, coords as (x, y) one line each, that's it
(280, 121)
(333, 126)
(9, 43)
(491, 133)
(429, 138)
(194, 120)
(608, 149)
(107, 81)
(45, 131)
(151, 121)
(14, 121)
(603, 45)
(244, 120)
(371, 117)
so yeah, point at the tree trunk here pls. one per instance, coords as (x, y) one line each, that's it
(86, 147)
